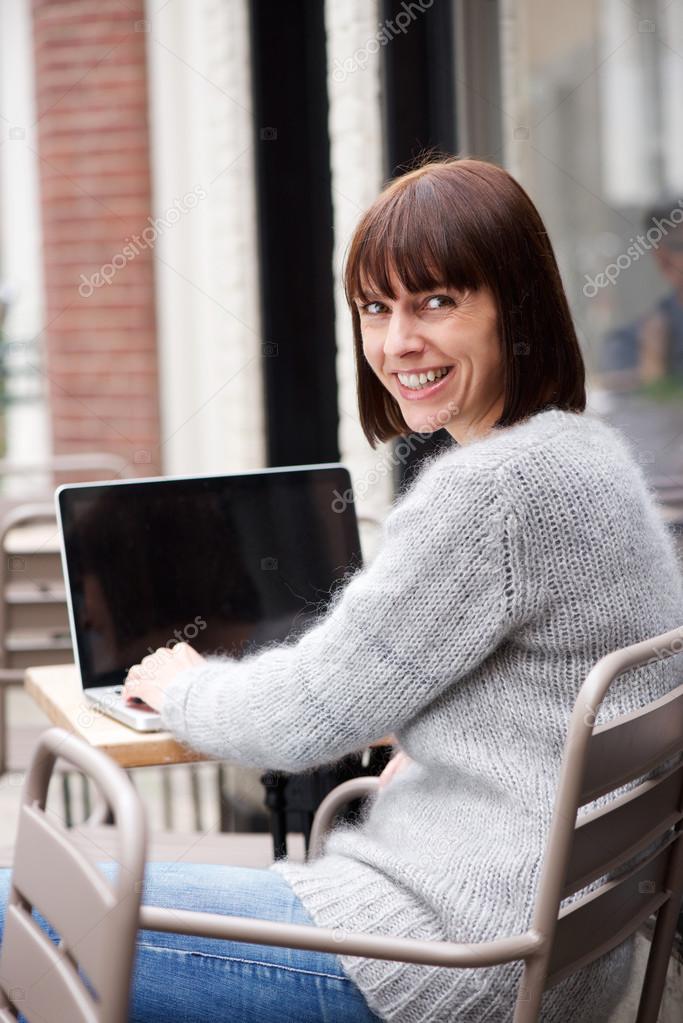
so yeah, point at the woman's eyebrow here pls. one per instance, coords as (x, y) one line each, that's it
(371, 295)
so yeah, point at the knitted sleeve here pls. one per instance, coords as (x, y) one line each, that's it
(436, 600)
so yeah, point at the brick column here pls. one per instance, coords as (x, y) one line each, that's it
(93, 148)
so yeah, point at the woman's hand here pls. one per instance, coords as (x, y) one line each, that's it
(149, 680)
(397, 763)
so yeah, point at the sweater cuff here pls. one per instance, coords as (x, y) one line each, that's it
(206, 696)
(173, 708)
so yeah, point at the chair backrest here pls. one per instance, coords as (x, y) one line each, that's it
(33, 611)
(584, 848)
(100, 464)
(32, 585)
(86, 979)
(12, 568)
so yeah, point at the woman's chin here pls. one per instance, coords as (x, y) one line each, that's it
(418, 424)
(419, 421)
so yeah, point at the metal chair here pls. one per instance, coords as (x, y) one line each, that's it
(48, 639)
(86, 978)
(596, 761)
(97, 464)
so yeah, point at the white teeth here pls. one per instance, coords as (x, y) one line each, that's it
(417, 380)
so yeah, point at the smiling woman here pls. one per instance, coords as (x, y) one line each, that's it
(464, 233)
(510, 565)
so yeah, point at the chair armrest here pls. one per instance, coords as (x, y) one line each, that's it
(332, 803)
(325, 939)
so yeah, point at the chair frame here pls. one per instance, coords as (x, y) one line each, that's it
(32, 507)
(97, 930)
(26, 512)
(596, 760)
(80, 461)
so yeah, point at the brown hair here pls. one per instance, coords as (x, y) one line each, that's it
(467, 223)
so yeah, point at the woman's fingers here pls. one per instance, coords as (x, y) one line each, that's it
(149, 679)
(187, 653)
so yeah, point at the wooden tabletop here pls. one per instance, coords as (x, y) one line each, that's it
(57, 691)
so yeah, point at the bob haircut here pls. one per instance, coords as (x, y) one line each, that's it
(467, 223)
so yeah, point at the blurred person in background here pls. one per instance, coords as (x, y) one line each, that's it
(649, 350)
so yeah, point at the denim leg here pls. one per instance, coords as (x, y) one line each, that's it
(183, 979)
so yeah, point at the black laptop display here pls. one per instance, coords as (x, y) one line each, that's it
(228, 564)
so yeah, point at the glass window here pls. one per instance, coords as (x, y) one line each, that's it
(592, 129)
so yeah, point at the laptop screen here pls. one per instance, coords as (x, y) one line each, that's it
(227, 564)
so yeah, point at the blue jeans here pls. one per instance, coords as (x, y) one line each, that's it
(181, 979)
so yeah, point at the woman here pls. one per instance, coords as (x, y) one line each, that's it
(511, 564)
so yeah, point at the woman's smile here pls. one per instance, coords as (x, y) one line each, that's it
(414, 388)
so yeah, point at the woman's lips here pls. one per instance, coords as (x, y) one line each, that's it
(423, 392)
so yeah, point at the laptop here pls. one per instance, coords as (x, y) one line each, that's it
(227, 563)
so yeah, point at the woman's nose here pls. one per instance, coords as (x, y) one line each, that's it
(402, 335)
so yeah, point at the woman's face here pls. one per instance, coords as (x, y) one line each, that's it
(429, 333)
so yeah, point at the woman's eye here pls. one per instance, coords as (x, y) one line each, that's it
(371, 310)
(446, 298)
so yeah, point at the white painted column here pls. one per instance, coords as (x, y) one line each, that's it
(208, 322)
(353, 59)
(670, 25)
(515, 84)
(628, 122)
(21, 272)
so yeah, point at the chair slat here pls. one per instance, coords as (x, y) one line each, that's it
(48, 869)
(48, 985)
(612, 834)
(604, 918)
(632, 744)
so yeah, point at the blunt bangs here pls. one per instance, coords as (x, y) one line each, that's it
(419, 234)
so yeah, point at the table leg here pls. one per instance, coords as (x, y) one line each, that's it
(275, 785)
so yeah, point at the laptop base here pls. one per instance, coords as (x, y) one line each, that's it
(109, 700)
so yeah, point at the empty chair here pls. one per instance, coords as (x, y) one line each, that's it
(72, 467)
(33, 615)
(86, 979)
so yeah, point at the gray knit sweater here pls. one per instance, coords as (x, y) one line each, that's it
(505, 571)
